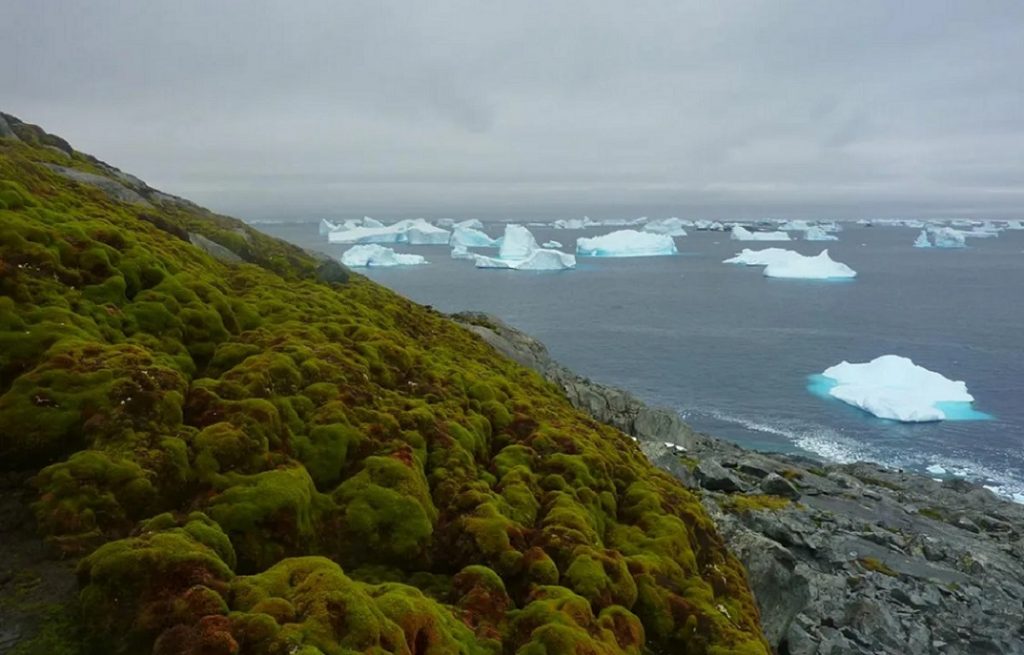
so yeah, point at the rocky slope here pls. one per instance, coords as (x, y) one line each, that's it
(842, 558)
(232, 446)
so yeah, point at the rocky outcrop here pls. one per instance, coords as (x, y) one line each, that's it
(112, 188)
(849, 558)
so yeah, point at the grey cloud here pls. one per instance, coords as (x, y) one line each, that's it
(281, 109)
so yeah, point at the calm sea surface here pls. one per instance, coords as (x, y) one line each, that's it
(732, 350)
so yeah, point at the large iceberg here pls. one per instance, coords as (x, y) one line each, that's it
(740, 233)
(894, 387)
(375, 255)
(471, 237)
(788, 264)
(414, 231)
(673, 227)
(519, 251)
(626, 243)
(818, 267)
(815, 233)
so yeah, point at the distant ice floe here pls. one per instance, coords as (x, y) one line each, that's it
(710, 226)
(552, 244)
(673, 227)
(461, 252)
(789, 264)
(376, 255)
(586, 221)
(626, 243)
(740, 233)
(519, 251)
(413, 231)
(895, 388)
(816, 233)
(940, 237)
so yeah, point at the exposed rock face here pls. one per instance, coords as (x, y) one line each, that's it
(842, 558)
(213, 248)
(112, 188)
(5, 130)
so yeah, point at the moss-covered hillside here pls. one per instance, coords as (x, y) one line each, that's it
(249, 450)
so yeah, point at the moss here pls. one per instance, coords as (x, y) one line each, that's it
(934, 513)
(791, 474)
(878, 566)
(194, 420)
(754, 503)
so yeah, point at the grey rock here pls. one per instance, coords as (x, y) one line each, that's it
(112, 188)
(5, 130)
(777, 485)
(714, 477)
(213, 249)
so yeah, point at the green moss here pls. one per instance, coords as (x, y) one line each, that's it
(878, 566)
(739, 503)
(192, 420)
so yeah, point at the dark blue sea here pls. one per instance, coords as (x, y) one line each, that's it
(731, 350)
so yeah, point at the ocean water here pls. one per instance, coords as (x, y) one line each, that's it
(735, 353)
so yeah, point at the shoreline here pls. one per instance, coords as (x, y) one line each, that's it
(842, 558)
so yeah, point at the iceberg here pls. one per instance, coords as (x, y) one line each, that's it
(415, 232)
(552, 244)
(371, 222)
(626, 243)
(815, 233)
(894, 387)
(446, 223)
(947, 237)
(796, 226)
(374, 255)
(326, 227)
(673, 227)
(519, 251)
(704, 224)
(740, 233)
(764, 257)
(460, 252)
(471, 237)
(799, 267)
(922, 240)
(574, 223)
(472, 224)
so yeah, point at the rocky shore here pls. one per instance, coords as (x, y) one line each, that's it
(843, 558)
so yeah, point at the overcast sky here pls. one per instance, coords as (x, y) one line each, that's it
(728, 109)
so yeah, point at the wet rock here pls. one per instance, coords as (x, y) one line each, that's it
(714, 477)
(777, 485)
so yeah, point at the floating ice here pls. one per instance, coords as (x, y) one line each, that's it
(673, 227)
(936, 469)
(374, 255)
(415, 231)
(460, 252)
(894, 387)
(763, 257)
(552, 244)
(799, 267)
(326, 227)
(815, 233)
(519, 251)
(944, 237)
(471, 237)
(782, 263)
(704, 224)
(796, 226)
(626, 243)
(922, 240)
(573, 223)
(740, 233)
(472, 223)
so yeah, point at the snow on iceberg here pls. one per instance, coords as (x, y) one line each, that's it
(740, 233)
(673, 227)
(626, 243)
(471, 237)
(798, 267)
(894, 387)
(815, 233)
(375, 255)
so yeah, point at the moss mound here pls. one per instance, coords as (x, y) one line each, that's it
(261, 457)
